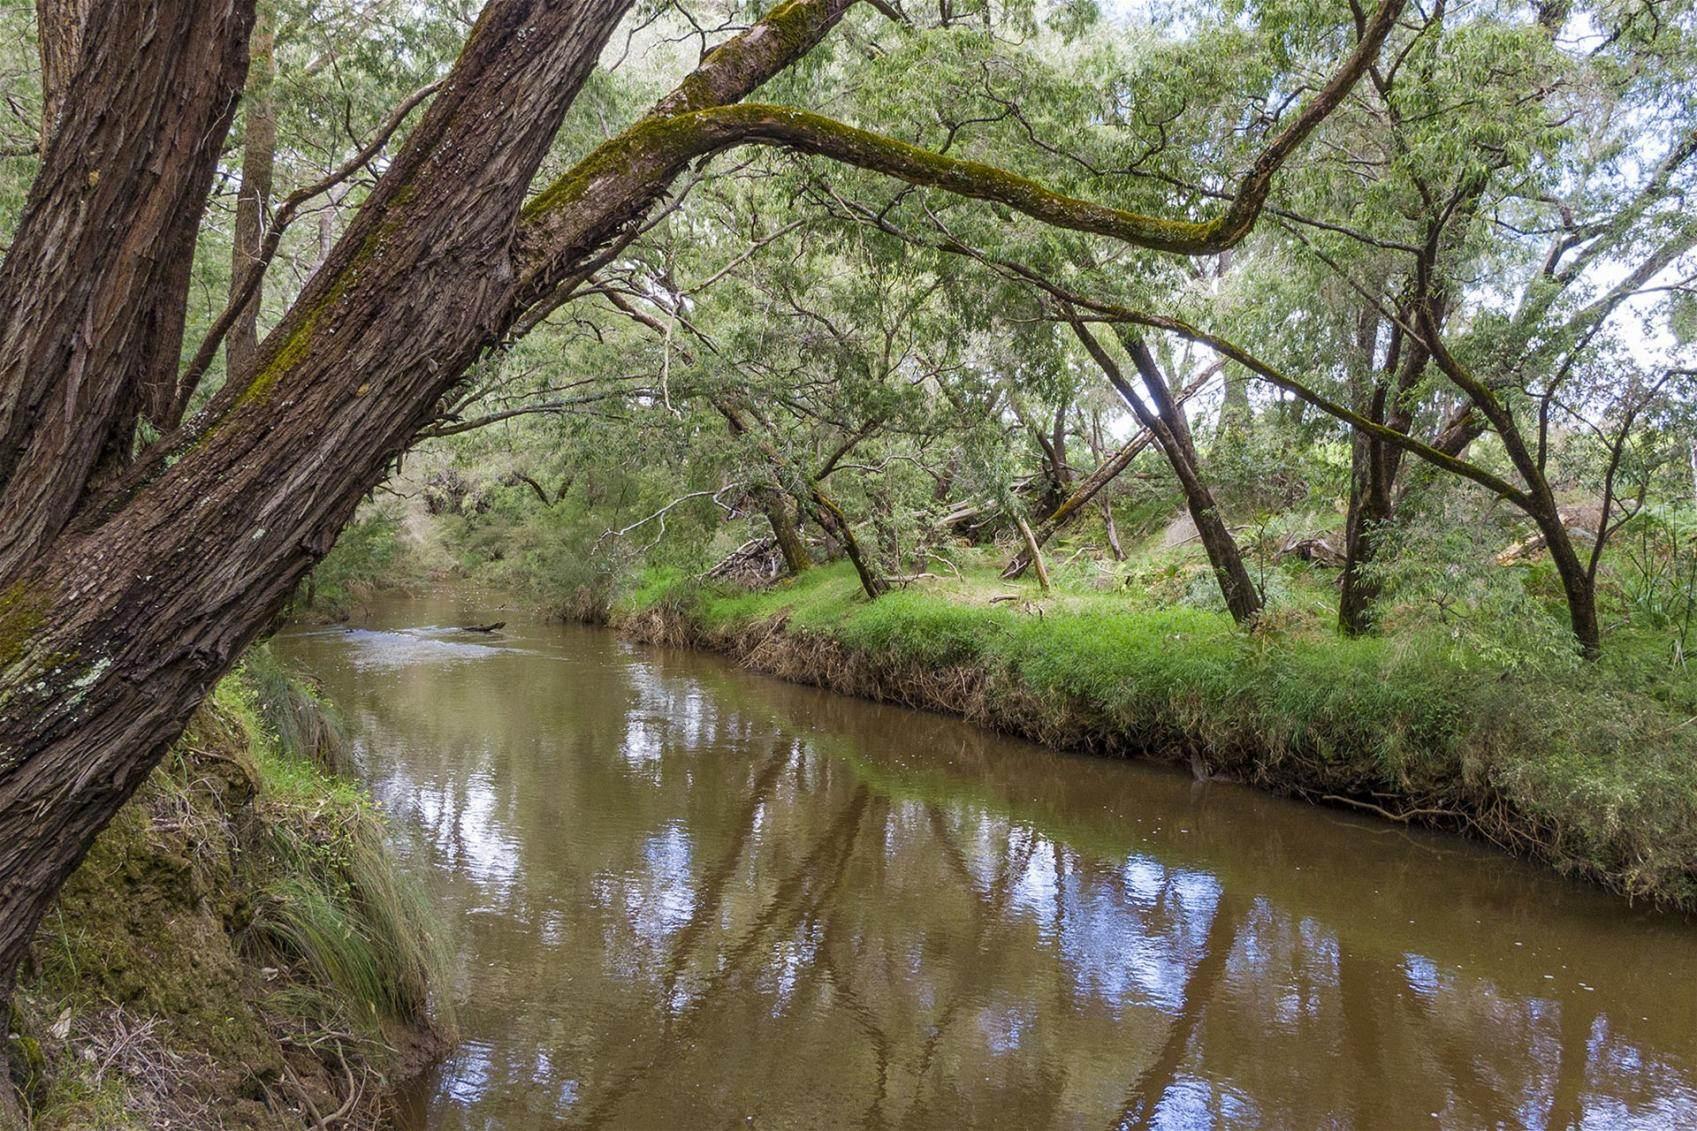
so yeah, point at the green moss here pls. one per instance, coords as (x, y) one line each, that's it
(663, 141)
(652, 145)
(244, 893)
(22, 613)
(297, 345)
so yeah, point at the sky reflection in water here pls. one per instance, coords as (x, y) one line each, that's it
(684, 895)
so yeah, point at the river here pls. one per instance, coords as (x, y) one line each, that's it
(688, 896)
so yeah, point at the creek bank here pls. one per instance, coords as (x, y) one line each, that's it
(1579, 767)
(238, 947)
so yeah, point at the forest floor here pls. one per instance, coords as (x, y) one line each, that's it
(238, 948)
(1589, 767)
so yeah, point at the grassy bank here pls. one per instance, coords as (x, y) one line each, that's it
(1592, 768)
(238, 948)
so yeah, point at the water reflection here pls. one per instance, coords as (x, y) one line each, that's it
(687, 895)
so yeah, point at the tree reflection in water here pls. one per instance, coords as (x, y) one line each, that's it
(688, 895)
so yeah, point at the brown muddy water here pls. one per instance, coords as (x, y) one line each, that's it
(685, 896)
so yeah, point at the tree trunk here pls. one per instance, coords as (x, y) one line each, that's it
(1576, 581)
(1035, 554)
(59, 37)
(1070, 507)
(1368, 513)
(1050, 448)
(1105, 473)
(827, 514)
(773, 505)
(1112, 531)
(771, 499)
(112, 636)
(94, 287)
(259, 155)
(1172, 432)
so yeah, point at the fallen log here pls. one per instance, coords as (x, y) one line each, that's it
(1096, 480)
(1315, 550)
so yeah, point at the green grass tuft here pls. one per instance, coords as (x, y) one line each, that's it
(1592, 767)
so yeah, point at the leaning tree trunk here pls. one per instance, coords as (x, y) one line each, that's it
(1538, 500)
(113, 631)
(1088, 488)
(1167, 424)
(772, 500)
(774, 505)
(829, 515)
(1242, 597)
(1111, 531)
(1577, 582)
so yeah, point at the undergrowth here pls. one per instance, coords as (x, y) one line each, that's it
(239, 947)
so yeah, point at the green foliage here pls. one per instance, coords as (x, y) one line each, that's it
(330, 896)
(304, 725)
(367, 555)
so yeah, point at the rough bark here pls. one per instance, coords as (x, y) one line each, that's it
(93, 290)
(109, 641)
(59, 38)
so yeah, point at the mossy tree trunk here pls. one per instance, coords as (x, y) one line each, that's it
(775, 506)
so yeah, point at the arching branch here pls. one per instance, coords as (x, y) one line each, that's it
(566, 219)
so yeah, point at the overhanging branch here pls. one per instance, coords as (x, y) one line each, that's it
(694, 122)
